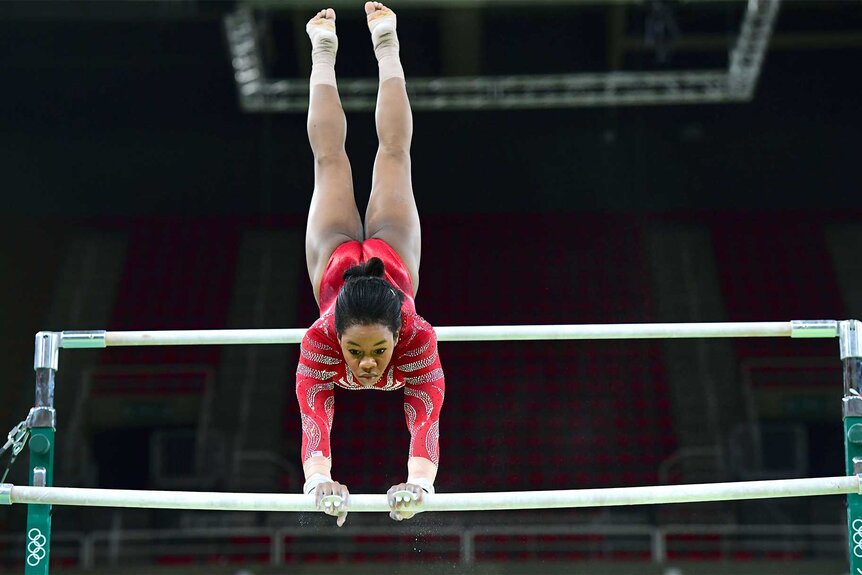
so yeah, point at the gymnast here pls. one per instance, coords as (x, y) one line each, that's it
(365, 277)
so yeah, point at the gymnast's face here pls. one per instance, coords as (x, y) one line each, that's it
(367, 350)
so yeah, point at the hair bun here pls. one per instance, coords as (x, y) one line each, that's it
(373, 268)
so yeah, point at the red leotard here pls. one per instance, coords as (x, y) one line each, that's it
(415, 365)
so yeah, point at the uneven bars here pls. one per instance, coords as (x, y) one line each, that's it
(10, 494)
(796, 329)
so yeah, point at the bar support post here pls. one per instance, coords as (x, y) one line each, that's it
(42, 423)
(850, 335)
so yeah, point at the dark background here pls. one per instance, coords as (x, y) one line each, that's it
(128, 109)
(116, 112)
(113, 114)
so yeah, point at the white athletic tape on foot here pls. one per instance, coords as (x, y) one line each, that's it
(384, 38)
(324, 46)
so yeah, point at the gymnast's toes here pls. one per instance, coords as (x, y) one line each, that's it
(375, 10)
(324, 19)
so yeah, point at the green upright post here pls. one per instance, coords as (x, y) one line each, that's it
(851, 355)
(38, 552)
(42, 422)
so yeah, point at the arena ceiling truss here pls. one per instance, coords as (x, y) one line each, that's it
(736, 83)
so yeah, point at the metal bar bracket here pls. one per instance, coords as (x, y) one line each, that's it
(852, 406)
(850, 334)
(42, 417)
(813, 328)
(93, 339)
(47, 350)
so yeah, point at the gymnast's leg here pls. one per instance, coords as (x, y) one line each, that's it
(392, 215)
(333, 217)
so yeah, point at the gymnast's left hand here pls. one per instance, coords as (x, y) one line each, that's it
(406, 503)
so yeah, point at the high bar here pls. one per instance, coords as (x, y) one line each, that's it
(795, 329)
(661, 494)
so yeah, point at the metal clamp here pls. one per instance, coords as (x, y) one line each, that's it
(83, 339)
(42, 417)
(6, 494)
(850, 334)
(16, 438)
(40, 477)
(852, 405)
(813, 328)
(47, 350)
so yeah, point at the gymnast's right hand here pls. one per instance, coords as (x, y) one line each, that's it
(332, 498)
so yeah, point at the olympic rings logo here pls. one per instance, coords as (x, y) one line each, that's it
(856, 538)
(36, 551)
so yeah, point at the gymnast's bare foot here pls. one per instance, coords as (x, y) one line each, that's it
(321, 28)
(324, 46)
(381, 22)
(375, 10)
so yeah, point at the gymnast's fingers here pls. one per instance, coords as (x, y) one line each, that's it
(342, 517)
(331, 497)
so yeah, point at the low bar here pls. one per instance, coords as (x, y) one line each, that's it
(811, 328)
(442, 501)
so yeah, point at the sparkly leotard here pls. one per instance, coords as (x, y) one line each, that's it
(415, 365)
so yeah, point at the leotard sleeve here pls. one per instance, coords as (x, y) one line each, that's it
(424, 389)
(315, 376)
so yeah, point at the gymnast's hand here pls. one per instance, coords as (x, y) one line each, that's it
(332, 498)
(404, 499)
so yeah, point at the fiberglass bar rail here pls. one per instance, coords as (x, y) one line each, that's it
(650, 495)
(796, 329)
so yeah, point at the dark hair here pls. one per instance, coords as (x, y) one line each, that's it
(366, 298)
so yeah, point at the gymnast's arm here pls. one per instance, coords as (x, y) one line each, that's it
(422, 405)
(423, 399)
(316, 398)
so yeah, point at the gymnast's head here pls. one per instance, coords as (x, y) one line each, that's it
(368, 319)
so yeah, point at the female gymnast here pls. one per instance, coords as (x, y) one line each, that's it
(364, 278)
